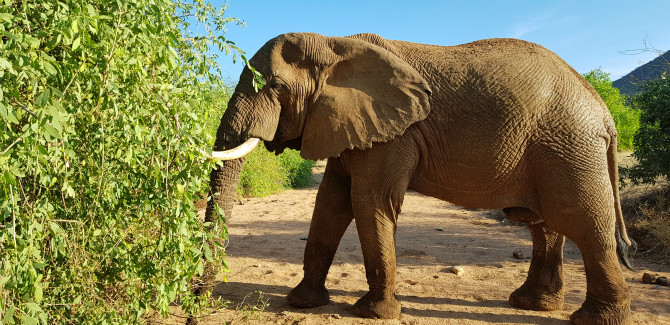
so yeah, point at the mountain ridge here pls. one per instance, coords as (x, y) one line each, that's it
(629, 84)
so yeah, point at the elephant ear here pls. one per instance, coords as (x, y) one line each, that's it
(365, 94)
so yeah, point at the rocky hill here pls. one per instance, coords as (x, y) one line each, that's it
(629, 84)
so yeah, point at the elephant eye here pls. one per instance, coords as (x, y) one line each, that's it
(275, 85)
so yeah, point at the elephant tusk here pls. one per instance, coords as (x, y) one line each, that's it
(237, 152)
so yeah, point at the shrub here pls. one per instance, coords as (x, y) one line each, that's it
(626, 119)
(265, 173)
(652, 140)
(262, 174)
(99, 165)
(298, 170)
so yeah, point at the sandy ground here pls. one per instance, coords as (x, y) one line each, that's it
(267, 239)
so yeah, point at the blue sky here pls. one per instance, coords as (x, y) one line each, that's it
(588, 34)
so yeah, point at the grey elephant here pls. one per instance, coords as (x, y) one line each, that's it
(495, 124)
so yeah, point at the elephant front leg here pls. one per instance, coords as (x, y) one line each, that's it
(543, 289)
(332, 215)
(376, 229)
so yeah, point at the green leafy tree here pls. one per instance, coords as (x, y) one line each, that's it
(99, 160)
(626, 119)
(652, 140)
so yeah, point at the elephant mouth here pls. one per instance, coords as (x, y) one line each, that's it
(278, 145)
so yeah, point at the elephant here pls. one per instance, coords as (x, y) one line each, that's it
(494, 124)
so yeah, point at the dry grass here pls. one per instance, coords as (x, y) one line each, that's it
(646, 209)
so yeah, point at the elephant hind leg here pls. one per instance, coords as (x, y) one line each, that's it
(543, 289)
(607, 298)
(576, 199)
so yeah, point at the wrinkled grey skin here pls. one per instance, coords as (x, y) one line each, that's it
(496, 124)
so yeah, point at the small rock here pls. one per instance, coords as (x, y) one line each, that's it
(303, 238)
(663, 281)
(458, 270)
(336, 316)
(256, 265)
(518, 255)
(439, 229)
(648, 278)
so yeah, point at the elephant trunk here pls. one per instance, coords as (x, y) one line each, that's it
(231, 146)
(223, 182)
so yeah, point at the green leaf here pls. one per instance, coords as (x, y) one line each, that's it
(28, 320)
(11, 115)
(5, 65)
(9, 315)
(50, 130)
(49, 68)
(9, 35)
(35, 308)
(76, 300)
(6, 17)
(38, 265)
(43, 98)
(38, 293)
(76, 43)
(9, 178)
(3, 111)
(32, 41)
(208, 253)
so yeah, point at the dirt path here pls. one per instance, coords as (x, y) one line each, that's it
(266, 249)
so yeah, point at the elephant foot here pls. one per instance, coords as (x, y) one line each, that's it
(370, 307)
(526, 298)
(306, 296)
(600, 313)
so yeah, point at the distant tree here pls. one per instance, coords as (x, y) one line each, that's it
(652, 140)
(626, 119)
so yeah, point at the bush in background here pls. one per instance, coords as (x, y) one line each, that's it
(652, 140)
(262, 174)
(265, 173)
(626, 119)
(99, 166)
(298, 170)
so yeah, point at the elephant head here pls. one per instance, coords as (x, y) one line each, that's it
(322, 95)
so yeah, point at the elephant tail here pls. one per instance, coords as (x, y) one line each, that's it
(623, 242)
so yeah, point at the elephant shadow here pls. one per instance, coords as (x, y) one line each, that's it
(242, 295)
